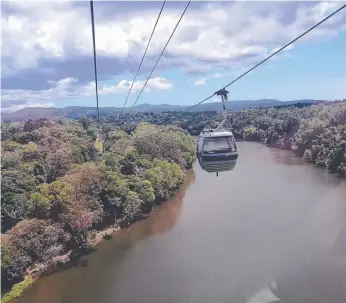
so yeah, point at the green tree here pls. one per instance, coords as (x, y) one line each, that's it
(164, 177)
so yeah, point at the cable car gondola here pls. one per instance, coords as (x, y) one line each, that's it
(216, 148)
(217, 151)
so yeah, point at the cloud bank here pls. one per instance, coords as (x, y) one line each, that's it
(47, 46)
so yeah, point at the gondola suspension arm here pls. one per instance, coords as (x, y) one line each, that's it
(224, 97)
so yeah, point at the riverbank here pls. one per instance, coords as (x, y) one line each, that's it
(99, 236)
(35, 272)
(263, 219)
(63, 192)
(288, 143)
(17, 290)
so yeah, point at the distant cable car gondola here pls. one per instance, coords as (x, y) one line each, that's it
(216, 148)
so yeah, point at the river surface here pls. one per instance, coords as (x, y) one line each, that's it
(273, 220)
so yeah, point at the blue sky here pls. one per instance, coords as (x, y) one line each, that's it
(215, 42)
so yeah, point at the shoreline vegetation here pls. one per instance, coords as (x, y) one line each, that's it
(61, 196)
(314, 132)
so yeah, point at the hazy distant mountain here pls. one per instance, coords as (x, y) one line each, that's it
(75, 112)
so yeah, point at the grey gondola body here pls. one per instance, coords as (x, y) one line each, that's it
(213, 159)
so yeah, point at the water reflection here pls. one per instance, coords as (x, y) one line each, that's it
(285, 157)
(288, 158)
(82, 283)
(166, 216)
(163, 217)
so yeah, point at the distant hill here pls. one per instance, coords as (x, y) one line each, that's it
(76, 112)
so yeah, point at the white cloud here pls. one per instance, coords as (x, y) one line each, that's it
(203, 80)
(227, 31)
(71, 88)
(156, 83)
(289, 47)
(16, 107)
(200, 81)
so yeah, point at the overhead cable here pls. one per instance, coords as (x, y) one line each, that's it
(95, 67)
(273, 54)
(160, 56)
(157, 20)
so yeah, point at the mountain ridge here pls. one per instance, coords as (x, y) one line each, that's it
(75, 112)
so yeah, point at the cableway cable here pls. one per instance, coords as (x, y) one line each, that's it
(272, 55)
(157, 20)
(160, 56)
(95, 67)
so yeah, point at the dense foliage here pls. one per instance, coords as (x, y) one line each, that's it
(315, 132)
(58, 189)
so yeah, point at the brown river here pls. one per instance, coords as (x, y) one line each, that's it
(273, 221)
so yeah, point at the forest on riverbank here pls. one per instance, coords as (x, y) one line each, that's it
(58, 189)
(317, 133)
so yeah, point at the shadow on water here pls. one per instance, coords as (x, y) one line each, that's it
(75, 261)
(107, 237)
(162, 219)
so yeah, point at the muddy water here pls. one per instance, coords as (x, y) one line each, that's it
(274, 220)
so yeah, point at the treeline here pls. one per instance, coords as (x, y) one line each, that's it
(192, 122)
(315, 132)
(58, 189)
